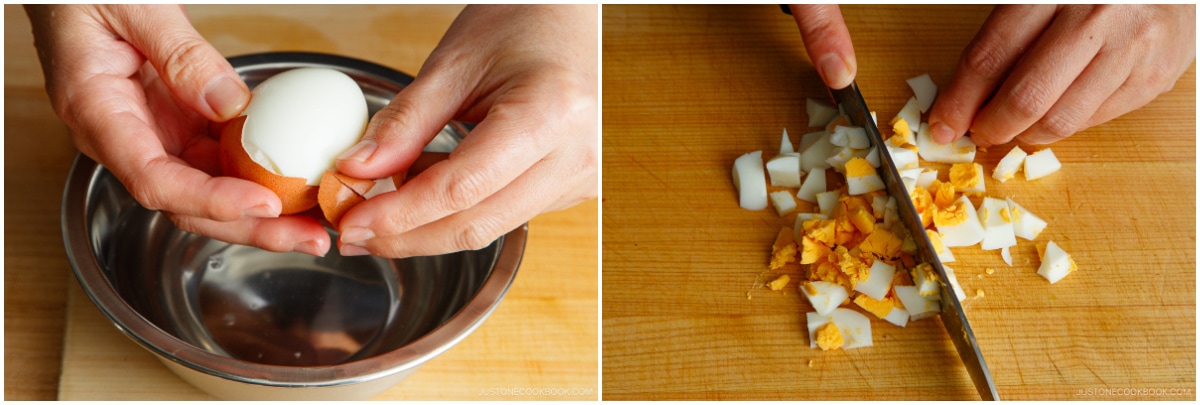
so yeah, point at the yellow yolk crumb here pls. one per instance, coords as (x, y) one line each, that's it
(951, 215)
(902, 278)
(881, 243)
(784, 250)
(1004, 215)
(810, 363)
(858, 167)
(820, 230)
(964, 175)
(845, 232)
(936, 239)
(863, 220)
(943, 193)
(779, 283)
(979, 293)
(1016, 214)
(829, 337)
(876, 307)
(989, 270)
(813, 251)
(923, 202)
(1041, 250)
(848, 203)
(902, 130)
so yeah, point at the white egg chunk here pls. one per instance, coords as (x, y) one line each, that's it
(815, 148)
(1009, 165)
(783, 202)
(944, 254)
(996, 218)
(299, 121)
(954, 285)
(903, 158)
(784, 171)
(1041, 164)
(962, 150)
(1056, 263)
(815, 321)
(959, 224)
(1006, 255)
(814, 183)
(926, 281)
(750, 181)
(785, 144)
(897, 316)
(819, 113)
(926, 179)
(1025, 225)
(918, 307)
(873, 157)
(878, 282)
(855, 327)
(840, 156)
(827, 200)
(823, 295)
(861, 177)
(968, 178)
(924, 89)
(854, 137)
(911, 114)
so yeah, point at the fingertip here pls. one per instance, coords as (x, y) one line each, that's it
(836, 71)
(317, 247)
(226, 97)
(942, 133)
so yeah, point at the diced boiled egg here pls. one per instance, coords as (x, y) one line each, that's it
(814, 184)
(856, 327)
(1009, 165)
(873, 157)
(954, 285)
(996, 219)
(827, 200)
(840, 156)
(911, 114)
(1025, 224)
(879, 308)
(783, 202)
(924, 89)
(784, 171)
(904, 158)
(967, 177)
(926, 280)
(824, 296)
(1006, 255)
(944, 254)
(959, 224)
(750, 181)
(1041, 164)
(819, 113)
(854, 137)
(902, 133)
(897, 316)
(815, 148)
(785, 144)
(927, 177)
(779, 282)
(962, 150)
(918, 306)
(861, 177)
(1056, 263)
(879, 280)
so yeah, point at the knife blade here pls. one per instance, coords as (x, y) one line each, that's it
(953, 318)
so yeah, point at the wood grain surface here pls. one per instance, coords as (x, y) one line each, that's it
(544, 335)
(687, 89)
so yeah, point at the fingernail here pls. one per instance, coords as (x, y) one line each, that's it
(353, 250)
(941, 133)
(835, 71)
(309, 246)
(354, 236)
(226, 97)
(360, 151)
(261, 211)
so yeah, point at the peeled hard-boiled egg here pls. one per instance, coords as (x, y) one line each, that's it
(293, 129)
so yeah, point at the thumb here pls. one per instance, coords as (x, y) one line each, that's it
(828, 43)
(397, 133)
(194, 71)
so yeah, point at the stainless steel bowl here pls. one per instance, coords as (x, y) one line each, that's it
(243, 323)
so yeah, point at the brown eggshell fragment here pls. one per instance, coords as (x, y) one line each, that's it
(294, 192)
(338, 193)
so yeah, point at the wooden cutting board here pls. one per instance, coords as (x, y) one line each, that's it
(687, 89)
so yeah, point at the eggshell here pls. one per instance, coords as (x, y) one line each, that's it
(338, 193)
(750, 181)
(294, 192)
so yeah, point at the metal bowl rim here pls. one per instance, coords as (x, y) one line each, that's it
(87, 269)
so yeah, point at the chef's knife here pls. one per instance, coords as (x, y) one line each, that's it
(852, 103)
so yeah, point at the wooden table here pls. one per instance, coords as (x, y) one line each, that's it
(544, 335)
(687, 89)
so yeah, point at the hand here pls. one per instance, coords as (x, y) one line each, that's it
(138, 87)
(1051, 71)
(527, 75)
(828, 43)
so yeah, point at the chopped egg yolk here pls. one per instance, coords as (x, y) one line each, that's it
(979, 293)
(784, 250)
(952, 215)
(989, 270)
(882, 244)
(779, 283)
(936, 239)
(829, 337)
(876, 307)
(943, 193)
(862, 220)
(813, 251)
(923, 202)
(964, 175)
(903, 132)
(820, 230)
(858, 167)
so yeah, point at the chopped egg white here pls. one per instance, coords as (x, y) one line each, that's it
(861, 177)
(814, 183)
(1041, 164)
(879, 280)
(819, 113)
(904, 158)
(1006, 255)
(911, 113)
(783, 202)
(873, 157)
(785, 144)
(960, 226)
(924, 89)
(1056, 263)
(926, 281)
(827, 200)
(823, 295)
(954, 285)
(1025, 225)
(962, 150)
(918, 307)
(815, 148)
(750, 181)
(784, 171)
(927, 177)
(855, 327)
(854, 137)
(996, 218)
(1009, 165)
(840, 155)
(898, 316)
